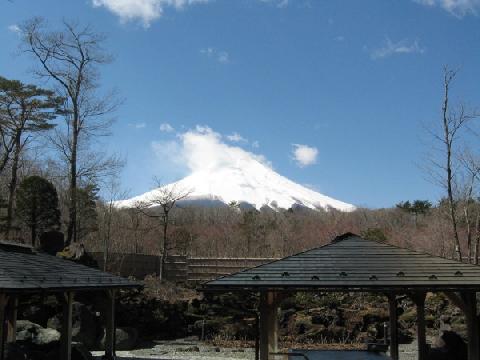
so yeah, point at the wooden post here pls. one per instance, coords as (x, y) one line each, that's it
(257, 337)
(66, 335)
(392, 302)
(419, 299)
(268, 325)
(12, 320)
(110, 326)
(3, 305)
(470, 300)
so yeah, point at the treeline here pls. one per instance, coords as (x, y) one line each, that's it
(51, 164)
(231, 232)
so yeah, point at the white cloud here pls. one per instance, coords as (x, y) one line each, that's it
(138, 125)
(255, 144)
(169, 151)
(144, 10)
(304, 155)
(166, 127)
(14, 28)
(203, 149)
(236, 137)
(278, 3)
(221, 56)
(339, 38)
(390, 48)
(458, 8)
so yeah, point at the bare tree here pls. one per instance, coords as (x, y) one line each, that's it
(113, 194)
(163, 200)
(445, 170)
(70, 59)
(471, 165)
(135, 222)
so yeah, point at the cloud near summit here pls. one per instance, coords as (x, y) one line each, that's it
(202, 149)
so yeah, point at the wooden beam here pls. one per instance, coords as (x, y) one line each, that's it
(419, 299)
(268, 325)
(3, 305)
(110, 325)
(66, 335)
(12, 308)
(470, 300)
(392, 302)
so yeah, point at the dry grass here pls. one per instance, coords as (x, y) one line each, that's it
(167, 291)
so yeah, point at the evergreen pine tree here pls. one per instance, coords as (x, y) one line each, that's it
(37, 206)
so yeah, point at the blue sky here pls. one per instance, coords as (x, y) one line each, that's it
(348, 83)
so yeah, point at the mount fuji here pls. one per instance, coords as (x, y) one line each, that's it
(250, 182)
(222, 173)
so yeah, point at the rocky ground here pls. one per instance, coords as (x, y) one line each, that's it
(159, 314)
(194, 350)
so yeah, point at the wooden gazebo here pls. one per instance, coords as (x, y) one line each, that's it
(24, 272)
(353, 264)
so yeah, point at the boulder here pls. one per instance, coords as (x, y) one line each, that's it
(35, 336)
(454, 345)
(76, 252)
(84, 325)
(15, 352)
(52, 242)
(125, 339)
(79, 352)
(35, 314)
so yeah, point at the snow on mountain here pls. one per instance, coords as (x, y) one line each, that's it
(221, 172)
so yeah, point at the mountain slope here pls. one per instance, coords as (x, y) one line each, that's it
(248, 181)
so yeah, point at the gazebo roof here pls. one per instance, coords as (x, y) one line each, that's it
(24, 270)
(352, 263)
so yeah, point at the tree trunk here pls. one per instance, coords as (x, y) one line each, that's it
(33, 230)
(106, 240)
(72, 224)
(164, 247)
(448, 144)
(6, 157)
(12, 187)
(469, 231)
(477, 239)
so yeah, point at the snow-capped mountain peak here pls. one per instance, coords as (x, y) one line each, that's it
(247, 181)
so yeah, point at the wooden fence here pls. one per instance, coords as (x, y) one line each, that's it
(178, 268)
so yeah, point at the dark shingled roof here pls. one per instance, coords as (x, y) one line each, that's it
(352, 263)
(25, 270)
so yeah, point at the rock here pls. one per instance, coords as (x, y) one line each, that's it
(38, 309)
(35, 314)
(286, 315)
(85, 329)
(84, 325)
(189, 349)
(125, 339)
(15, 352)
(34, 334)
(52, 242)
(76, 252)
(79, 352)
